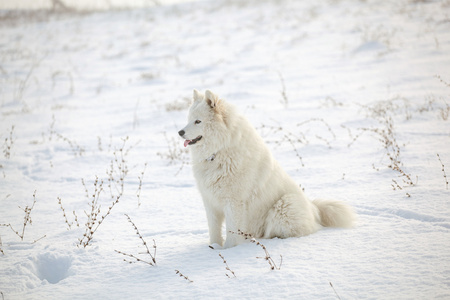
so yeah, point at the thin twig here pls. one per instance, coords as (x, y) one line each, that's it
(181, 275)
(9, 141)
(26, 219)
(138, 192)
(268, 258)
(64, 213)
(443, 171)
(135, 257)
(39, 239)
(143, 241)
(153, 256)
(227, 267)
(335, 291)
(1, 250)
(283, 90)
(442, 80)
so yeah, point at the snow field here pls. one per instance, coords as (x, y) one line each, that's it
(334, 87)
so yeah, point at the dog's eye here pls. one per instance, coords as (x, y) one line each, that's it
(197, 121)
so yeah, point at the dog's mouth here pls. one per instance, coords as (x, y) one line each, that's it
(192, 142)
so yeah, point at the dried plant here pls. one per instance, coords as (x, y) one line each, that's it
(175, 154)
(179, 105)
(95, 217)
(294, 140)
(23, 84)
(57, 74)
(227, 267)
(267, 258)
(380, 109)
(395, 185)
(69, 224)
(66, 219)
(118, 171)
(442, 80)
(99, 143)
(353, 138)
(291, 142)
(76, 218)
(444, 112)
(387, 137)
(76, 149)
(393, 153)
(93, 221)
(137, 259)
(1, 244)
(327, 141)
(321, 121)
(284, 97)
(443, 171)
(334, 291)
(183, 276)
(378, 33)
(279, 136)
(26, 219)
(331, 102)
(138, 192)
(37, 240)
(381, 112)
(428, 105)
(9, 141)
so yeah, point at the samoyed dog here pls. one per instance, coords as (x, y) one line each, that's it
(241, 183)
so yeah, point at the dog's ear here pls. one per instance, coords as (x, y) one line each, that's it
(197, 95)
(211, 98)
(217, 105)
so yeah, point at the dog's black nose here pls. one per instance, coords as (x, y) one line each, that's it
(181, 132)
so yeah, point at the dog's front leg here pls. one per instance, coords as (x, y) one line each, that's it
(215, 221)
(232, 220)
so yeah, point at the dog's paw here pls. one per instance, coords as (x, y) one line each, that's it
(215, 246)
(230, 244)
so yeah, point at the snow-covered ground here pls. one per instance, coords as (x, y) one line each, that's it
(352, 97)
(83, 5)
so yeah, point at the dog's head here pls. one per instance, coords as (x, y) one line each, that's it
(207, 117)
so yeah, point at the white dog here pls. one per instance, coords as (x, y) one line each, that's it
(242, 184)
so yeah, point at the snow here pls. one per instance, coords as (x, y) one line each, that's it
(334, 87)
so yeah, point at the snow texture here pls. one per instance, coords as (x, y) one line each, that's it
(352, 97)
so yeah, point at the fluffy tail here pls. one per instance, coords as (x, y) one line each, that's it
(335, 213)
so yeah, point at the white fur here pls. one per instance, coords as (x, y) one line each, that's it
(241, 183)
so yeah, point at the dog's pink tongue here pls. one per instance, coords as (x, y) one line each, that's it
(186, 142)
